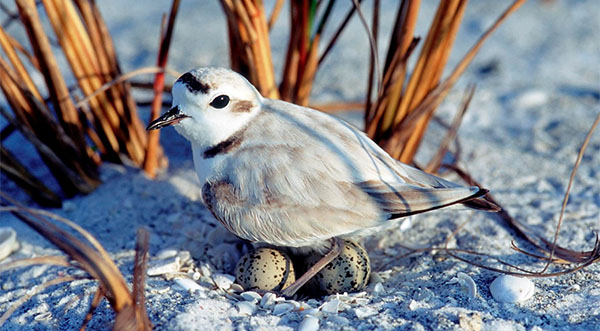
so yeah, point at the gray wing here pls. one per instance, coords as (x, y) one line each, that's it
(301, 176)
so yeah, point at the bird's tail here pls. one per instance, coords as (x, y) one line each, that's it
(480, 202)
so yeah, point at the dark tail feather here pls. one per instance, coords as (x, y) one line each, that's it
(481, 203)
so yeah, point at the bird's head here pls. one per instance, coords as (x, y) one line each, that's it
(209, 105)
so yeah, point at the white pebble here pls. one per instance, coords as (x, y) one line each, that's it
(188, 284)
(331, 307)
(223, 281)
(532, 98)
(512, 289)
(468, 284)
(246, 308)
(268, 300)
(251, 296)
(8, 242)
(309, 323)
(281, 309)
(161, 267)
(362, 312)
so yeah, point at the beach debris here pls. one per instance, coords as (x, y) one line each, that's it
(467, 284)
(268, 300)
(223, 281)
(265, 269)
(246, 308)
(470, 321)
(349, 272)
(512, 289)
(8, 242)
(364, 312)
(281, 309)
(331, 307)
(309, 323)
(251, 296)
(188, 285)
(166, 266)
(378, 289)
(166, 253)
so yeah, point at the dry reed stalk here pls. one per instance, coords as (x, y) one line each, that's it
(33, 116)
(152, 156)
(14, 170)
(85, 64)
(399, 117)
(250, 52)
(110, 122)
(249, 42)
(93, 259)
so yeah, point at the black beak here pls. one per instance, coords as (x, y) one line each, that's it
(173, 116)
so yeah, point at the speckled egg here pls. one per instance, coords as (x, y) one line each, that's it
(265, 269)
(349, 272)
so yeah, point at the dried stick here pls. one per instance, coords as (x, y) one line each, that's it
(151, 159)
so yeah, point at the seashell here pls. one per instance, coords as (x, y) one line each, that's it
(349, 272)
(309, 323)
(468, 284)
(223, 281)
(246, 308)
(188, 284)
(8, 242)
(166, 253)
(251, 296)
(161, 267)
(265, 269)
(281, 309)
(378, 289)
(268, 300)
(512, 289)
(331, 307)
(236, 288)
(363, 312)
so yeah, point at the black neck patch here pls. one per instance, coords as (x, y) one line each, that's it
(225, 146)
(192, 83)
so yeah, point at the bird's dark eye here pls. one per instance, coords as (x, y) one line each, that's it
(220, 102)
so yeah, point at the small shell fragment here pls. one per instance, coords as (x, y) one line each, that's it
(512, 289)
(378, 289)
(331, 307)
(8, 242)
(223, 281)
(188, 284)
(363, 312)
(468, 284)
(309, 323)
(281, 309)
(246, 308)
(268, 300)
(251, 296)
(166, 266)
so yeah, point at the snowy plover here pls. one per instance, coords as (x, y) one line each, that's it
(277, 173)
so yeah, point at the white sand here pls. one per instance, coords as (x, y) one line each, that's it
(520, 138)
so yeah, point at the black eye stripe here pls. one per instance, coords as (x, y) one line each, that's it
(192, 83)
(220, 102)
